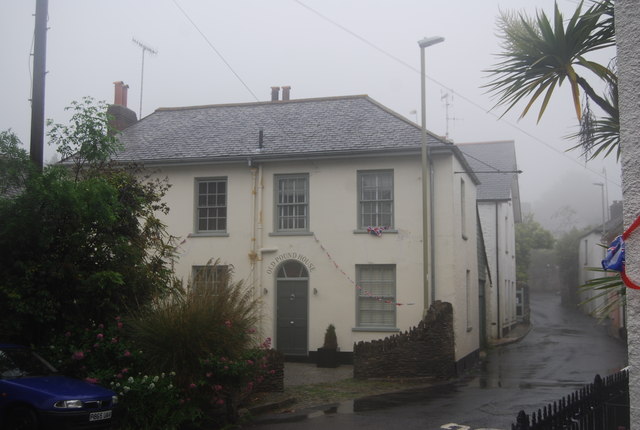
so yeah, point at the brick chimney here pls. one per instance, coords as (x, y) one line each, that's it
(275, 94)
(286, 91)
(615, 210)
(121, 116)
(120, 97)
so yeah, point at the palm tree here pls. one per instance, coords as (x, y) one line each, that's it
(539, 54)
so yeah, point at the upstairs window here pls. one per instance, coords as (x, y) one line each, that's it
(292, 203)
(211, 208)
(375, 198)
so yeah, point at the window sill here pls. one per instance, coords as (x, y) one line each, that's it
(391, 231)
(209, 234)
(291, 233)
(376, 329)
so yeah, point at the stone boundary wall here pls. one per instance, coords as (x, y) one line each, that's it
(427, 350)
(273, 382)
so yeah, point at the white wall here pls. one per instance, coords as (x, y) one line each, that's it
(590, 254)
(333, 219)
(627, 15)
(498, 228)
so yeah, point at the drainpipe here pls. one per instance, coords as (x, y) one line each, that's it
(259, 226)
(432, 254)
(498, 276)
(253, 255)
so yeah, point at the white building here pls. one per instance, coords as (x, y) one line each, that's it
(292, 194)
(495, 165)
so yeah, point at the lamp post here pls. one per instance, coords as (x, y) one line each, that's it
(426, 219)
(601, 185)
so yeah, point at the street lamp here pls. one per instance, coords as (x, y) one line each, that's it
(601, 185)
(426, 219)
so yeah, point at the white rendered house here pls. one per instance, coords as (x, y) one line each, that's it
(317, 205)
(499, 209)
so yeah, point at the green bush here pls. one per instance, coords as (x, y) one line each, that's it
(153, 402)
(207, 335)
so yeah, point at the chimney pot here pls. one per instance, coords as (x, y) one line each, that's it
(120, 97)
(286, 90)
(275, 94)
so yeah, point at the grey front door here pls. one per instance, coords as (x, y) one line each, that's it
(292, 309)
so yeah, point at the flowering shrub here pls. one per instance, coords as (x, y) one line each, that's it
(98, 353)
(153, 402)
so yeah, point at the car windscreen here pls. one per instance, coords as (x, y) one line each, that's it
(21, 362)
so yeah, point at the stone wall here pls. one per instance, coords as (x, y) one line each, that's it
(427, 350)
(274, 380)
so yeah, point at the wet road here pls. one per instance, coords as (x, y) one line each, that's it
(564, 350)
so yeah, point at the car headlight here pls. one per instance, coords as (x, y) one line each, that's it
(68, 404)
(114, 400)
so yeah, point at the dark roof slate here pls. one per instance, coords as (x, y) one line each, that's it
(492, 157)
(308, 127)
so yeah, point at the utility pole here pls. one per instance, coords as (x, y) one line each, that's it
(39, 71)
(145, 49)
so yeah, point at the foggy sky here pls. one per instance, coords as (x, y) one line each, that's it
(318, 47)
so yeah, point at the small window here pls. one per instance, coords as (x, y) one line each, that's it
(292, 203)
(375, 199)
(211, 205)
(209, 278)
(468, 291)
(376, 295)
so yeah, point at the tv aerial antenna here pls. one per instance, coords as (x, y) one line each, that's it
(145, 49)
(444, 95)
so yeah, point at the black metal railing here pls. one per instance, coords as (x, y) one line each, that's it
(603, 405)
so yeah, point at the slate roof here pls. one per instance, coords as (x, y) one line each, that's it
(303, 127)
(494, 157)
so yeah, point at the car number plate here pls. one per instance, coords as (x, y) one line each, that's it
(97, 416)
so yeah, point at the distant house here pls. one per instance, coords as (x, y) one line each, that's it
(317, 203)
(591, 252)
(494, 163)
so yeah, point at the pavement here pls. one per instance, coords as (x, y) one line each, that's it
(297, 373)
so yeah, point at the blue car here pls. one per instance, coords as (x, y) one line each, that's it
(34, 396)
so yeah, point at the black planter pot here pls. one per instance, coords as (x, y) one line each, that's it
(327, 357)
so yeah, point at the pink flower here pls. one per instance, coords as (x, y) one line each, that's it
(220, 402)
(272, 372)
(78, 355)
(208, 374)
(226, 367)
(117, 318)
(250, 386)
(217, 387)
(92, 380)
(68, 334)
(100, 326)
(228, 323)
(127, 353)
(125, 370)
(114, 340)
(250, 362)
(251, 331)
(100, 336)
(119, 324)
(119, 376)
(192, 385)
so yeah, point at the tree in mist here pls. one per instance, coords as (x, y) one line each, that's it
(78, 244)
(540, 54)
(567, 250)
(529, 236)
